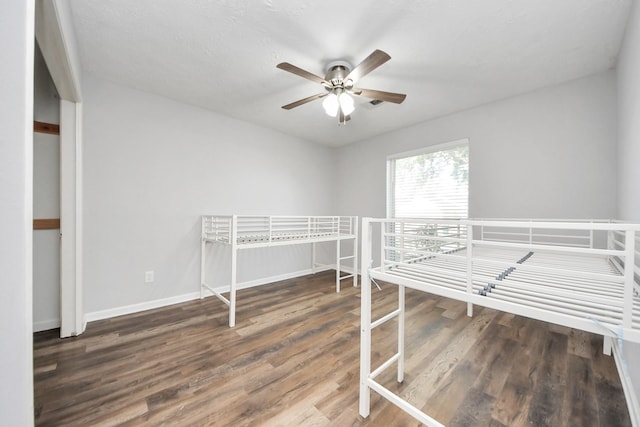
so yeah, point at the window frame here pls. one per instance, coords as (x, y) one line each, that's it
(412, 153)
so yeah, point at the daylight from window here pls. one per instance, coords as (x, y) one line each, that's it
(432, 184)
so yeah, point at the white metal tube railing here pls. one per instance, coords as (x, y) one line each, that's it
(272, 229)
(562, 253)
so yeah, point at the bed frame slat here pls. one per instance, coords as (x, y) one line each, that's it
(579, 274)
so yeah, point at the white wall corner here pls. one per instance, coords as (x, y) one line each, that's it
(56, 37)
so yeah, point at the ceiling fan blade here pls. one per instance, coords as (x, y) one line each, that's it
(396, 98)
(304, 101)
(370, 63)
(343, 118)
(302, 73)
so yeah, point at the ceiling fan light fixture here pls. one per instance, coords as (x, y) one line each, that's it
(346, 103)
(331, 105)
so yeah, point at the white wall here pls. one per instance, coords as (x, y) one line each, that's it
(629, 148)
(46, 102)
(629, 122)
(16, 168)
(46, 201)
(152, 166)
(546, 154)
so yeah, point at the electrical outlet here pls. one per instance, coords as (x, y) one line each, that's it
(148, 276)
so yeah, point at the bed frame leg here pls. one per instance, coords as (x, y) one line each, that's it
(203, 251)
(338, 266)
(234, 271)
(355, 252)
(608, 345)
(365, 349)
(313, 258)
(232, 297)
(469, 309)
(401, 306)
(365, 321)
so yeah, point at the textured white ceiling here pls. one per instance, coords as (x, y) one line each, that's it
(447, 55)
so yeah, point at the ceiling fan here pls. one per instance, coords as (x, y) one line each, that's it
(339, 84)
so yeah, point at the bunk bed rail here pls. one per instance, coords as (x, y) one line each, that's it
(259, 231)
(580, 274)
(270, 229)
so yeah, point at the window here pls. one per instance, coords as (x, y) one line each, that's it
(432, 184)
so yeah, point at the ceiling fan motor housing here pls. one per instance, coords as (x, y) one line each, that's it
(336, 72)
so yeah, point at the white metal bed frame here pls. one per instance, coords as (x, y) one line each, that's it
(255, 231)
(579, 274)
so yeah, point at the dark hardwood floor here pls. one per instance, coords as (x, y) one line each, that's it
(293, 359)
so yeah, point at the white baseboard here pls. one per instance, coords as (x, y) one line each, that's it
(272, 279)
(149, 305)
(143, 306)
(627, 386)
(45, 325)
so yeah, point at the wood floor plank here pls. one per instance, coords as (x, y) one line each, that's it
(293, 359)
(444, 403)
(546, 405)
(579, 343)
(580, 405)
(494, 374)
(421, 388)
(474, 410)
(512, 404)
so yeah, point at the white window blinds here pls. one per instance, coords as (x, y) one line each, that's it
(433, 184)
